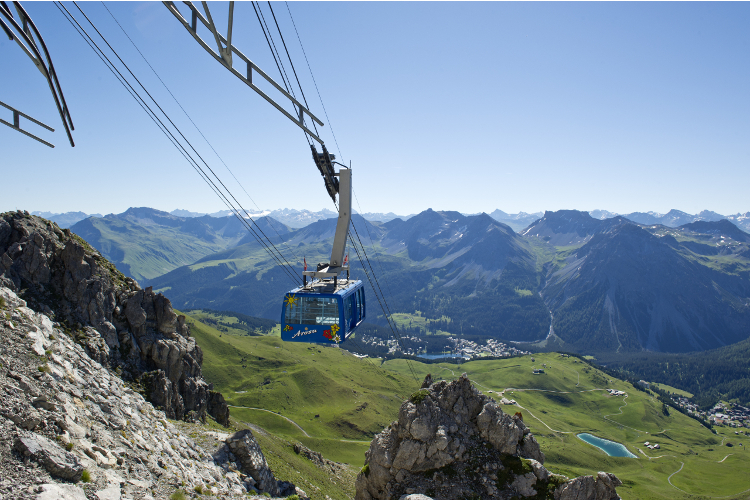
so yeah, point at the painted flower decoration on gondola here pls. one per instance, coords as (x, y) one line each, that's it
(333, 334)
(287, 328)
(290, 300)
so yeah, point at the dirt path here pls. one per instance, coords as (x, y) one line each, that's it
(282, 416)
(669, 479)
(654, 458)
(625, 403)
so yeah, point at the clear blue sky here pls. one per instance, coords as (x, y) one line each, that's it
(455, 106)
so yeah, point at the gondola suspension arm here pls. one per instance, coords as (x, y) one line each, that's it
(226, 53)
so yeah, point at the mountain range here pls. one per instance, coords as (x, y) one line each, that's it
(567, 280)
(300, 218)
(621, 286)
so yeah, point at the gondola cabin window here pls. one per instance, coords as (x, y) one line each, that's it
(313, 311)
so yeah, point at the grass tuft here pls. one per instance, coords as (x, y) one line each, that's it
(86, 476)
(419, 396)
(178, 495)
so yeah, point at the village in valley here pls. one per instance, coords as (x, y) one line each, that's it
(721, 414)
(452, 347)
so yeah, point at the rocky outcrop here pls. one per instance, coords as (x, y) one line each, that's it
(243, 445)
(601, 487)
(121, 326)
(63, 413)
(334, 468)
(451, 441)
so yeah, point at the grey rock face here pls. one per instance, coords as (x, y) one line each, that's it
(62, 412)
(57, 461)
(61, 492)
(118, 323)
(451, 441)
(588, 487)
(218, 408)
(248, 452)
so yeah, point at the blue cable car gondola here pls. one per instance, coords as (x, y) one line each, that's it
(327, 310)
(323, 312)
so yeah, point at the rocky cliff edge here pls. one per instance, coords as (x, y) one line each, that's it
(133, 332)
(451, 441)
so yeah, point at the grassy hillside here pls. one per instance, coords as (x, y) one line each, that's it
(569, 399)
(329, 393)
(339, 402)
(334, 402)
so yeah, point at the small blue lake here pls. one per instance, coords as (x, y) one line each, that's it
(440, 356)
(609, 447)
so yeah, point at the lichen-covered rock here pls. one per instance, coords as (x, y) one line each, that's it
(451, 441)
(119, 324)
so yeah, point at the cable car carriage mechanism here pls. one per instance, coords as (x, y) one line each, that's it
(327, 309)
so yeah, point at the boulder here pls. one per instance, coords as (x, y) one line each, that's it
(57, 461)
(243, 445)
(55, 491)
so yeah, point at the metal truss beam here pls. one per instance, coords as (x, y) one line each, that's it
(226, 53)
(16, 125)
(27, 37)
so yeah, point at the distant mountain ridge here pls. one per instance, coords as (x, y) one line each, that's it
(569, 227)
(445, 264)
(521, 220)
(145, 243)
(66, 219)
(626, 287)
(607, 283)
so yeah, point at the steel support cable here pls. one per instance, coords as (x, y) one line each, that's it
(158, 122)
(316, 83)
(277, 58)
(372, 244)
(386, 310)
(174, 140)
(139, 101)
(388, 314)
(271, 44)
(291, 63)
(280, 256)
(371, 268)
(281, 241)
(388, 319)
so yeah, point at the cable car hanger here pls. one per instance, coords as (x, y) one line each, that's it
(225, 53)
(325, 309)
